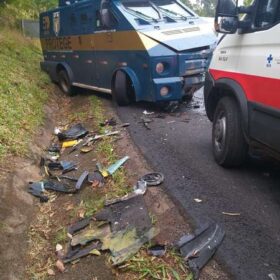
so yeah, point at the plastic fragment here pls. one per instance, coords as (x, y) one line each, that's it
(147, 113)
(75, 132)
(81, 180)
(68, 144)
(272, 276)
(86, 149)
(37, 189)
(114, 167)
(102, 170)
(231, 213)
(199, 248)
(96, 179)
(198, 200)
(157, 250)
(140, 188)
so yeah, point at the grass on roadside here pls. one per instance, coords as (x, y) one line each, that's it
(23, 92)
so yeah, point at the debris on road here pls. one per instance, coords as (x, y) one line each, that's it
(75, 132)
(110, 122)
(153, 179)
(125, 125)
(69, 144)
(140, 188)
(272, 276)
(145, 121)
(114, 167)
(145, 112)
(37, 189)
(231, 213)
(96, 179)
(199, 248)
(157, 250)
(114, 228)
(81, 180)
(65, 166)
(198, 200)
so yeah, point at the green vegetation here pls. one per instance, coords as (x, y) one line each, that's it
(12, 10)
(23, 87)
(22, 91)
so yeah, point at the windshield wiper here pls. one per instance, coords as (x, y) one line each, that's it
(173, 13)
(142, 14)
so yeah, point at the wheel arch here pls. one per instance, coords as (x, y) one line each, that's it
(64, 66)
(133, 78)
(227, 87)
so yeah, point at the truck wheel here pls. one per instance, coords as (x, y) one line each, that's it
(64, 82)
(229, 145)
(122, 89)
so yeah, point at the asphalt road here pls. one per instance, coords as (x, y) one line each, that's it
(179, 145)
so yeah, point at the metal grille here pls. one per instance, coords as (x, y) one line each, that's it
(30, 28)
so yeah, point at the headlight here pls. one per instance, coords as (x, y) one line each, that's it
(164, 91)
(159, 68)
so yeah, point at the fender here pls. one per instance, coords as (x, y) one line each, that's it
(134, 80)
(66, 67)
(214, 91)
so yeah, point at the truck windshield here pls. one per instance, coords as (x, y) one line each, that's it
(172, 9)
(142, 8)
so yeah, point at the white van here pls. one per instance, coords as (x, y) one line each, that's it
(242, 90)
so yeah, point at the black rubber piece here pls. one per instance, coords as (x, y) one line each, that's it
(64, 83)
(235, 149)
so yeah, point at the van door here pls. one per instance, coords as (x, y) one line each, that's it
(106, 24)
(260, 65)
(82, 24)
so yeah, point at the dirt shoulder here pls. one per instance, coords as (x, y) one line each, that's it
(30, 230)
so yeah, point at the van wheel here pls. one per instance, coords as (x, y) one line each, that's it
(122, 91)
(229, 145)
(64, 82)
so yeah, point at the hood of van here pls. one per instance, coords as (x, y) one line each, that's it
(183, 38)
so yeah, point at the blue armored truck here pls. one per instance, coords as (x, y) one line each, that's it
(138, 50)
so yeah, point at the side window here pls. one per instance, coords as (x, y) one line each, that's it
(105, 18)
(268, 13)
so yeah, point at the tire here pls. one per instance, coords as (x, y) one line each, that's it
(122, 91)
(64, 83)
(229, 145)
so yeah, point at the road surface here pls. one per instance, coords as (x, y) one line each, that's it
(179, 145)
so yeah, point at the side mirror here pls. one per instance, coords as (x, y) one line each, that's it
(226, 18)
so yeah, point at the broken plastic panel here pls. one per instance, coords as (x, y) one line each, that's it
(75, 132)
(157, 250)
(37, 189)
(199, 248)
(81, 180)
(114, 167)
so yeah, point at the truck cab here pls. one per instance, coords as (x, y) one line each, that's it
(242, 89)
(135, 49)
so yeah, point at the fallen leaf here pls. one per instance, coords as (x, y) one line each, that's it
(60, 266)
(51, 272)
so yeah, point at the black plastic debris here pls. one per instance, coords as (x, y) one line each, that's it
(110, 122)
(125, 125)
(77, 253)
(58, 187)
(37, 189)
(54, 148)
(75, 132)
(81, 180)
(65, 166)
(153, 179)
(70, 178)
(79, 225)
(157, 250)
(96, 179)
(198, 249)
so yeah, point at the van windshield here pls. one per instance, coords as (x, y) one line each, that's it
(157, 10)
